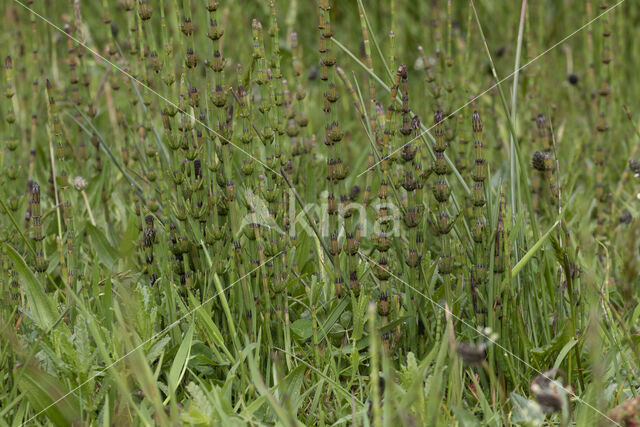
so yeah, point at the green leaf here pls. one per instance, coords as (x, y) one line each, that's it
(302, 328)
(557, 343)
(157, 349)
(565, 350)
(206, 325)
(42, 309)
(527, 257)
(292, 384)
(106, 253)
(47, 394)
(179, 365)
(333, 317)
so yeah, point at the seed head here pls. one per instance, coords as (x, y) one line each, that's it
(547, 391)
(540, 160)
(471, 354)
(625, 217)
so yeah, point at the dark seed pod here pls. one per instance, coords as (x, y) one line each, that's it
(546, 391)
(539, 160)
(471, 354)
(626, 217)
(354, 192)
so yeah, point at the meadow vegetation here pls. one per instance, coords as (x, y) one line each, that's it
(319, 212)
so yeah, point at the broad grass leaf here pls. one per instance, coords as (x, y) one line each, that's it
(43, 389)
(179, 365)
(106, 253)
(42, 308)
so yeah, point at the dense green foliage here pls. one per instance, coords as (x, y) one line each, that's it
(331, 212)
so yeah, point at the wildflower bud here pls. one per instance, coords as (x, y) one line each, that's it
(79, 183)
(545, 390)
